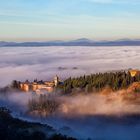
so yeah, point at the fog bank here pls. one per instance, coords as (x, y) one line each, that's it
(45, 62)
(82, 116)
(94, 116)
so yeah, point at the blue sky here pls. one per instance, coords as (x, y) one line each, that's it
(69, 19)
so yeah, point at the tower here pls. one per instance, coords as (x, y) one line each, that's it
(56, 80)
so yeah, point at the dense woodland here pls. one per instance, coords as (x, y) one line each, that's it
(96, 82)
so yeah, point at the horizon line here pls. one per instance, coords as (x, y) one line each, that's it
(66, 40)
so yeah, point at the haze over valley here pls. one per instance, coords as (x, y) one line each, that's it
(45, 62)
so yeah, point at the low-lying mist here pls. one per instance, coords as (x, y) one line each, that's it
(81, 104)
(98, 105)
(96, 116)
(44, 63)
(15, 101)
(94, 111)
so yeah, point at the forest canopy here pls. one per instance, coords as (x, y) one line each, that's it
(96, 82)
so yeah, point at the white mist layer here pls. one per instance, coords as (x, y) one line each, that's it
(92, 104)
(16, 102)
(77, 116)
(23, 63)
(98, 105)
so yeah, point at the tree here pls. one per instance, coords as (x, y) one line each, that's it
(15, 84)
(116, 80)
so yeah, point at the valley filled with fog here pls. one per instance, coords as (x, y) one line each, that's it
(93, 116)
(44, 63)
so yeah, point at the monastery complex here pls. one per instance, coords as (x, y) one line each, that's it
(37, 86)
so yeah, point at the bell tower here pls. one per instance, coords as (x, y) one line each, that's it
(56, 80)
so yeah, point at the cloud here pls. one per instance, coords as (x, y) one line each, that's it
(45, 62)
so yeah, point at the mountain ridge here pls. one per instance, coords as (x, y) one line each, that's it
(77, 42)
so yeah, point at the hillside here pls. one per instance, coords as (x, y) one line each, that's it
(15, 129)
(97, 82)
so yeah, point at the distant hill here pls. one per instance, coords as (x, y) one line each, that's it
(78, 42)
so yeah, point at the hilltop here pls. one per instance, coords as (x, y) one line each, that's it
(97, 82)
